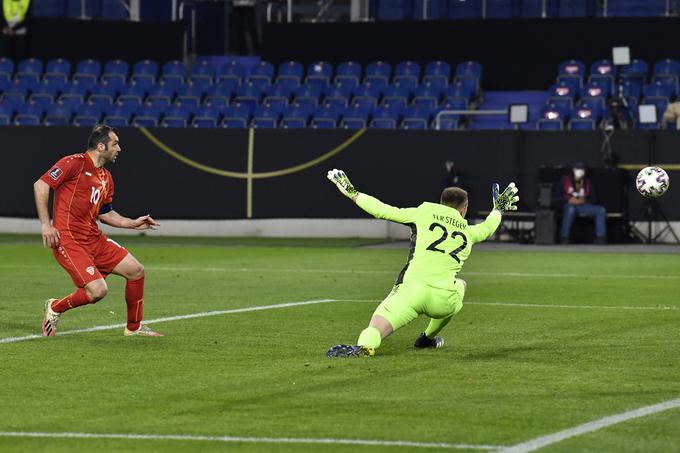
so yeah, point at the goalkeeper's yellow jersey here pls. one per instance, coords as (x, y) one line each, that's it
(441, 239)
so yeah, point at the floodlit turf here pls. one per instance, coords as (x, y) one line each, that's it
(528, 355)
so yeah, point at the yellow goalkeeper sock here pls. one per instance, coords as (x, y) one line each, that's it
(370, 337)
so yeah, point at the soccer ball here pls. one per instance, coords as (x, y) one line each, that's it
(652, 182)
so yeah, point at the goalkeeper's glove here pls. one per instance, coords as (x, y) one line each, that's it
(507, 199)
(341, 181)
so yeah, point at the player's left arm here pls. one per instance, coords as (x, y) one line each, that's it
(112, 218)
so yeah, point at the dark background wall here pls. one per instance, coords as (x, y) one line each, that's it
(521, 54)
(403, 168)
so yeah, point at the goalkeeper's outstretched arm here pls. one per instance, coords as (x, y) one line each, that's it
(370, 204)
(501, 203)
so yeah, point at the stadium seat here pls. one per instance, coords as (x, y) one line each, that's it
(582, 124)
(58, 115)
(206, 115)
(6, 68)
(266, 116)
(174, 70)
(338, 95)
(116, 121)
(385, 116)
(307, 95)
(203, 70)
(278, 95)
(116, 69)
(469, 68)
(553, 111)
(50, 87)
(630, 88)
(58, 66)
(658, 89)
(31, 67)
(378, 72)
(145, 121)
(603, 68)
(407, 70)
(544, 124)
(319, 73)
(144, 70)
(250, 94)
(465, 87)
(572, 68)
(355, 116)
(89, 70)
(25, 119)
(606, 83)
(348, 71)
(234, 71)
(558, 90)
(437, 70)
(428, 95)
(637, 70)
(225, 89)
(237, 115)
(417, 116)
(290, 71)
(572, 81)
(325, 117)
(397, 94)
(296, 116)
(442, 120)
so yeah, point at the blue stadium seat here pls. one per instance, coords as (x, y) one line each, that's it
(428, 95)
(116, 121)
(465, 9)
(237, 115)
(58, 115)
(30, 67)
(338, 95)
(554, 111)
(234, 71)
(266, 116)
(631, 88)
(594, 89)
(348, 71)
(163, 91)
(173, 121)
(437, 70)
(278, 95)
(368, 93)
(582, 124)
(469, 68)
(144, 70)
(296, 116)
(669, 80)
(572, 81)
(378, 71)
(319, 73)
(145, 121)
(572, 68)
(116, 70)
(392, 10)
(132, 93)
(658, 89)
(636, 70)
(6, 68)
(226, 89)
(51, 87)
(558, 90)
(417, 116)
(58, 66)
(203, 122)
(355, 116)
(407, 70)
(290, 71)
(606, 83)
(25, 119)
(250, 94)
(385, 116)
(544, 124)
(325, 117)
(206, 116)
(308, 95)
(465, 87)
(603, 68)
(203, 70)
(174, 70)
(89, 70)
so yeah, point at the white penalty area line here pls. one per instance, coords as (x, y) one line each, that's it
(544, 441)
(176, 318)
(377, 271)
(265, 440)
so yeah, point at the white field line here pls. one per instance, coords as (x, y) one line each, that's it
(376, 271)
(176, 318)
(521, 305)
(265, 440)
(540, 442)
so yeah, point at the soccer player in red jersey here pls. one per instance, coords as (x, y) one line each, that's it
(83, 193)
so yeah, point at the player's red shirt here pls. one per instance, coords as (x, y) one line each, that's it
(80, 190)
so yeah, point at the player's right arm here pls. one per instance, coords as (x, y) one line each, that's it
(370, 204)
(50, 235)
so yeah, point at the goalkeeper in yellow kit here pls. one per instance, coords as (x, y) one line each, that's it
(441, 241)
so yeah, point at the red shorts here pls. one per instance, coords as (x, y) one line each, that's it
(86, 264)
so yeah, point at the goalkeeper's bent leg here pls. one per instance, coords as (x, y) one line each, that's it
(370, 337)
(436, 325)
(444, 309)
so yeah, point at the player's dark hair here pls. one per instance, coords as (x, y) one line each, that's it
(454, 197)
(100, 134)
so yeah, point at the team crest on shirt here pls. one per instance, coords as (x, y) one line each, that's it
(90, 270)
(55, 173)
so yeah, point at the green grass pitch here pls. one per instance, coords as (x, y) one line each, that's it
(546, 341)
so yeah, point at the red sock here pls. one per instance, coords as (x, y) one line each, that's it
(134, 298)
(78, 298)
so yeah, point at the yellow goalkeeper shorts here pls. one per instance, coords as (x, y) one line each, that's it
(408, 300)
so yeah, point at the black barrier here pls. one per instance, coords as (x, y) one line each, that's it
(204, 173)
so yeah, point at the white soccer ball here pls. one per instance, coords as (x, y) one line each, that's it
(652, 182)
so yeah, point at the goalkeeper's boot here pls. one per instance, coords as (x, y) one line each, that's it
(143, 331)
(51, 320)
(423, 342)
(345, 350)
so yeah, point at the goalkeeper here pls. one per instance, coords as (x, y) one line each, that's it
(427, 284)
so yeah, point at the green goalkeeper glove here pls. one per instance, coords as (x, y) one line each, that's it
(341, 181)
(507, 199)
